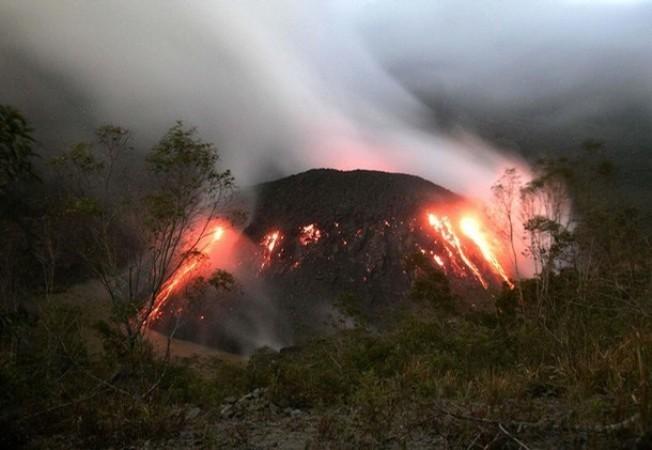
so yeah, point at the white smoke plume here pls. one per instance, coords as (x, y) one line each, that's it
(285, 86)
(277, 86)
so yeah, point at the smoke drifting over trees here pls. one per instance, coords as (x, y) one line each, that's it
(283, 87)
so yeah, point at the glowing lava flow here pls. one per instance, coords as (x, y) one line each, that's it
(270, 240)
(309, 234)
(445, 230)
(471, 228)
(182, 274)
(438, 260)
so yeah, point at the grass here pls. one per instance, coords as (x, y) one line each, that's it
(578, 369)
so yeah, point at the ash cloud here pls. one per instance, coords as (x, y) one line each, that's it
(286, 86)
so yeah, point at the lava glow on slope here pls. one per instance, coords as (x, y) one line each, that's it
(269, 244)
(463, 246)
(309, 234)
(438, 260)
(445, 229)
(471, 228)
(190, 268)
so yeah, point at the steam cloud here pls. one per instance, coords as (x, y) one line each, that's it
(286, 86)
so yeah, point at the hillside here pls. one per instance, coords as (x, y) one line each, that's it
(325, 236)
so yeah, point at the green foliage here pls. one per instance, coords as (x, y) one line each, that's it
(188, 177)
(81, 158)
(377, 403)
(16, 152)
(56, 386)
(330, 371)
(82, 206)
(431, 286)
(18, 181)
(350, 305)
(186, 163)
(113, 137)
(140, 223)
(506, 305)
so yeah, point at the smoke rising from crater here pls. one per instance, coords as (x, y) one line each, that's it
(285, 86)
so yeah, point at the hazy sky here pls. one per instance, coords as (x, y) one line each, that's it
(283, 86)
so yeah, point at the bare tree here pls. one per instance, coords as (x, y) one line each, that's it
(547, 217)
(506, 193)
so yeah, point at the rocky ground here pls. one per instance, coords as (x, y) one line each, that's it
(253, 422)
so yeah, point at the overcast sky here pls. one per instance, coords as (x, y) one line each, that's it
(283, 86)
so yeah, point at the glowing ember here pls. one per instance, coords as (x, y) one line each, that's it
(445, 229)
(438, 260)
(269, 243)
(309, 234)
(218, 233)
(471, 228)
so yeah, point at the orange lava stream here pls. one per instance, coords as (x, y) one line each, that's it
(471, 228)
(438, 260)
(269, 244)
(445, 230)
(182, 274)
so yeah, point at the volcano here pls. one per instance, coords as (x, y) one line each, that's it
(317, 236)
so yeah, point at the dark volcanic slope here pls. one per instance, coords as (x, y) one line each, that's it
(368, 223)
(323, 234)
(357, 197)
